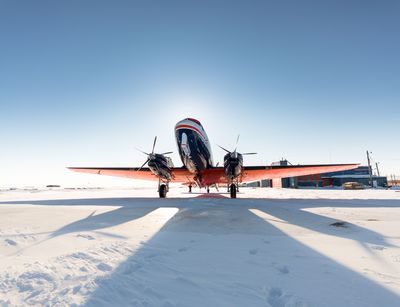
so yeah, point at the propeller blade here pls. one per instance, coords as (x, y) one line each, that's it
(237, 142)
(167, 153)
(249, 153)
(141, 151)
(154, 145)
(224, 149)
(143, 165)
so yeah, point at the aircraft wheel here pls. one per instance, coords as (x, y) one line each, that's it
(233, 190)
(162, 191)
(190, 189)
(208, 189)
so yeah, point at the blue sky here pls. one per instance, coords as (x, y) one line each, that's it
(85, 82)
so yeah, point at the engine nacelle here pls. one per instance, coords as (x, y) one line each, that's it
(233, 164)
(160, 166)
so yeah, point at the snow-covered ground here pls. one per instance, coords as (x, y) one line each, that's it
(270, 247)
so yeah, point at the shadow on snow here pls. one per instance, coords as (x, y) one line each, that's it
(196, 254)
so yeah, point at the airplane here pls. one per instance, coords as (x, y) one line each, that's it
(198, 168)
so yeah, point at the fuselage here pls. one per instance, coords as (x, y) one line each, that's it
(193, 145)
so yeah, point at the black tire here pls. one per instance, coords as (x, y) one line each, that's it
(233, 190)
(208, 190)
(162, 191)
(190, 189)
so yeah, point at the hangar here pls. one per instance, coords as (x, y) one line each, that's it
(360, 175)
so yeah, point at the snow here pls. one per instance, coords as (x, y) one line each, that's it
(269, 247)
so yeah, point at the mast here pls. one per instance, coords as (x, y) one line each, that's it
(369, 169)
(377, 169)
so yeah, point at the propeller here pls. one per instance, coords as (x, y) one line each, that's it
(234, 153)
(151, 156)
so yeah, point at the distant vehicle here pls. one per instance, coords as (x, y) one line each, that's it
(199, 169)
(353, 186)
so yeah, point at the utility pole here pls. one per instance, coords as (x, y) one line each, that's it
(369, 169)
(377, 169)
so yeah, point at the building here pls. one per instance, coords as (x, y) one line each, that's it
(377, 181)
(360, 174)
(276, 183)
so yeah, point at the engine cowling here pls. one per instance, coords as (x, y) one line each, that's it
(160, 166)
(233, 164)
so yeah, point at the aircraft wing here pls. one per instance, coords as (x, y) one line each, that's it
(216, 174)
(178, 174)
(255, 173)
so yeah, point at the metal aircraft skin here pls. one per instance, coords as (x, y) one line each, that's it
(198, 167)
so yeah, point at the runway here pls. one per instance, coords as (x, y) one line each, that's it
(269, 247)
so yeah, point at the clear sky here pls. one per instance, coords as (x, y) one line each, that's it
(83, 83)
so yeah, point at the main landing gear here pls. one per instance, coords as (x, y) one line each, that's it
(163, 188)
(233, 189)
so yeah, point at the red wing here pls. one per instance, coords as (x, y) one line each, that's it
(216, 175)
(255, 173)
(178, 174)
